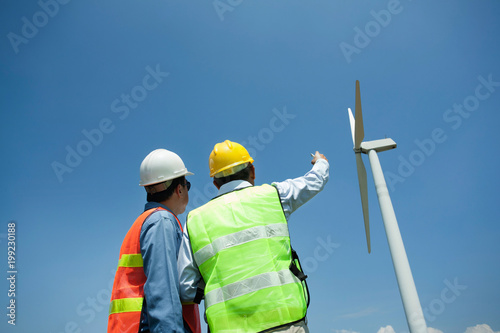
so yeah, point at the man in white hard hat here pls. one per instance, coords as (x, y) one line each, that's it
(145, 296)
(238, 246)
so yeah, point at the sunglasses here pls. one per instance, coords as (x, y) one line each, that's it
(188, 185)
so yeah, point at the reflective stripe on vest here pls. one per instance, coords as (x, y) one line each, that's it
(130, 260)
(126, 305)
(238, 238)
(242, 248)
(255, 283)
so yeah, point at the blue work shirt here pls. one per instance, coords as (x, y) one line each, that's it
(160, 240)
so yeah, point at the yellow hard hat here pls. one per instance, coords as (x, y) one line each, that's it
(228, 158)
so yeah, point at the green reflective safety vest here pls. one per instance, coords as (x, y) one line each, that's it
(241, 245)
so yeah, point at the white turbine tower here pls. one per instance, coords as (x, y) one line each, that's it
(407, 289)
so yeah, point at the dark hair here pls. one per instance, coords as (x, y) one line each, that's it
(240, 175)
(164, 195)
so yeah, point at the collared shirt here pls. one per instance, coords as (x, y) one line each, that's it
(160, 240)
(293, 193)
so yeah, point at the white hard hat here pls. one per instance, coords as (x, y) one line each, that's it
(160, 166)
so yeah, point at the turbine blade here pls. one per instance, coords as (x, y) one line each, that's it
(363, 190)
(358, 129)
(352, 121)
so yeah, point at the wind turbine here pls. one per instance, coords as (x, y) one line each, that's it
(407, 289)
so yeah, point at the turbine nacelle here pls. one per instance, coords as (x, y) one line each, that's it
(377, 145)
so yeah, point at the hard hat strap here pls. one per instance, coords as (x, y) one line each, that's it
(231, 171)
(152, 189)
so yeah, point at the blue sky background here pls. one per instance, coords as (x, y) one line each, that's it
(273, 75)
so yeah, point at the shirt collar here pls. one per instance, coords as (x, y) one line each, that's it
(233, 185)
(152, 204)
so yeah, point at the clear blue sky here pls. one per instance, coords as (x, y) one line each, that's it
(89, 88)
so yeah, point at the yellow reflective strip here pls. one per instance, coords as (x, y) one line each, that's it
(130, 260)
(125, 305)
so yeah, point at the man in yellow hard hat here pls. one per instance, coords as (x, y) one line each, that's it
(237, 247)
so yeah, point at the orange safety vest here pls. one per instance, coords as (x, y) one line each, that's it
(128, 288)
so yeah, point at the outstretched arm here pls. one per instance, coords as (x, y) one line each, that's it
(296, 192)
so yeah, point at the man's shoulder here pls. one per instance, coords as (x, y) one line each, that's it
(160, 216)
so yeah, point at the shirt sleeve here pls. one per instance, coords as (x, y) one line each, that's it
(296, 192)
(189, 275)
(160, 239)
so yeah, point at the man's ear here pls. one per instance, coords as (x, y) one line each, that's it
(252, 172)
(215, 184)
(178, 190)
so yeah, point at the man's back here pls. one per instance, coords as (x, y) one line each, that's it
(242, 248)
